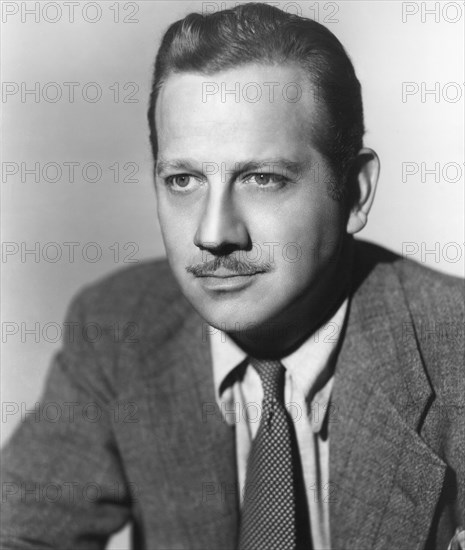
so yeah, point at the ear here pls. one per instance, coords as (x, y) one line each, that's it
(365, 173)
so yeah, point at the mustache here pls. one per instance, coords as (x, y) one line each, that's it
(230, 263)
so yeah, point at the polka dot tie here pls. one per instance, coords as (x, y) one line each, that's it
(274, 512)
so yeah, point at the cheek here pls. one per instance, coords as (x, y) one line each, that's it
(174, 245)
(308, 241)
(173, 226)
(299, 227)
(178, 218)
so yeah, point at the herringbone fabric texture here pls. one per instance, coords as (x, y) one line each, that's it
(269, 513)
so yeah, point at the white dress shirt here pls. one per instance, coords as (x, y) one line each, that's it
(307, 391)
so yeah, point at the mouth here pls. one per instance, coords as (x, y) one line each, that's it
(222, 273)
(223, 280)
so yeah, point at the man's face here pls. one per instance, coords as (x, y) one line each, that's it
(239, 179)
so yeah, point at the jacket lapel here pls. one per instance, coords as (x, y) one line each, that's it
(198, 447)
(385, 480)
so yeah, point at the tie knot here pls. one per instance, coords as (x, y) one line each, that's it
(272, 377)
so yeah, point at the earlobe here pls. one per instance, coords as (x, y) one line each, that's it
(366, 173)
(356, 222)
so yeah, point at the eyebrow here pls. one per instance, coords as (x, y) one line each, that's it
(239, 167)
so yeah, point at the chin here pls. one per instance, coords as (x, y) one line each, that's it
(237, 318)
(227, 318)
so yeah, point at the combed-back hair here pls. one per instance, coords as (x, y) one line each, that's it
(264, 34)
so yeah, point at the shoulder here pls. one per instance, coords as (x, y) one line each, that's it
(122, 319)
(143, 300)
(130, 288)
(435, 303)
(426, 290)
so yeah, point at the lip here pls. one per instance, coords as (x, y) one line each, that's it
(227, 282)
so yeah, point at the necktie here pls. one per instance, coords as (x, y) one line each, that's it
(274, 511)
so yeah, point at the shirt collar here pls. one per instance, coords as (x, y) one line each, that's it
(309, 366)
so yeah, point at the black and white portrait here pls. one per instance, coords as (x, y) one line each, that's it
(233, 243)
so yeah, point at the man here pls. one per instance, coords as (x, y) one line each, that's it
(279, 391)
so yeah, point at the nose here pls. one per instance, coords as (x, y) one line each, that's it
(221, 229)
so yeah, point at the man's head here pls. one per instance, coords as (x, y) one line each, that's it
(256, 126)
(261, 34)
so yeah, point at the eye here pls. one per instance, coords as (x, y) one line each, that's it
(264, 179)
(181, 183)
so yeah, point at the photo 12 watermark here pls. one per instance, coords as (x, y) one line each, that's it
(68, 252)
(70, 172)
(69, 492)
(252, 412)
(328, 333)
(437, 252)
(324, 12)
(432, 92)
(68, 332)
(124, 412)
(70, 12)
(214, 492)
(433, 172)
(432, 12)
(69, 92)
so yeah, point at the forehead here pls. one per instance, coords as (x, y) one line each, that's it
(256, 108)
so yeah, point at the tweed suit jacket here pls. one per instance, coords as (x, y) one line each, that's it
(147, 444)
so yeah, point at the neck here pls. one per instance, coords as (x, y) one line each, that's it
(280, 337)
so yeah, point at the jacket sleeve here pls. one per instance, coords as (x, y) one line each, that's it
(63, 485)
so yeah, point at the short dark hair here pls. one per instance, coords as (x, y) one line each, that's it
(260, 33)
